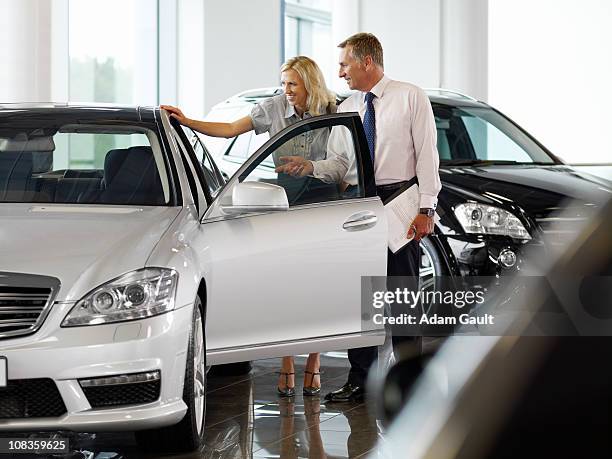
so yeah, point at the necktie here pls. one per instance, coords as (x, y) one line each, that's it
(369, 123)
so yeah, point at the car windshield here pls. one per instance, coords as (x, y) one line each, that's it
(468, 136)
(81, 164)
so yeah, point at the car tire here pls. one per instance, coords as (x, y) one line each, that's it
(188, 434)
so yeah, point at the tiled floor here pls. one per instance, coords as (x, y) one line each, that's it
(246, 419)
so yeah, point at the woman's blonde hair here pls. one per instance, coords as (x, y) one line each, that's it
(319, 97)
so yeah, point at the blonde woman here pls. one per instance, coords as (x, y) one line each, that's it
(304, 95)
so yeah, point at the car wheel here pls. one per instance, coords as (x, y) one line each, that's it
(188, 434)
(431, 263)
(431, 268)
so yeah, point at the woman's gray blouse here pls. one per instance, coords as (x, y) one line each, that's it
(275, 114)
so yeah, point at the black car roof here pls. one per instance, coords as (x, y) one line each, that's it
(84, 112)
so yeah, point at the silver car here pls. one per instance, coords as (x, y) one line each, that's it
(129, 264)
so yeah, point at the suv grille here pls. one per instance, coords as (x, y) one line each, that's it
(30, 398)
(24, 302)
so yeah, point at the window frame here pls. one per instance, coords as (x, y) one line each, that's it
(195, 139)
(194, 174)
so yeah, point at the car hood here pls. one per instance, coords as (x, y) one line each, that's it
(83, 246)
(536, 189)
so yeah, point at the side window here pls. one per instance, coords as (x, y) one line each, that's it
(442, 127)
(211, 175)
(245, 145)
(257, 140)
(239, 149)
(333, 148)
(192, 175)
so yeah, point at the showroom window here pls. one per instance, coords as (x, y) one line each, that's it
(308, 31)
(113, 51)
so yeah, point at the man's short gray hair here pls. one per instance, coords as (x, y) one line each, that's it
(364, 44)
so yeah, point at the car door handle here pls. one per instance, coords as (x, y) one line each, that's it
(360, 221)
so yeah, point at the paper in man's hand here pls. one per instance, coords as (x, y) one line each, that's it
(401, 211)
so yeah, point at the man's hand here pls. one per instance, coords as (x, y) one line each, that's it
(295, 165)
(421, 226)
(176, 113)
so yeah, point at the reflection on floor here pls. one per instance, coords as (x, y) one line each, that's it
(246, 419)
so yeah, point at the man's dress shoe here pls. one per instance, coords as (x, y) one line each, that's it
(347, 393)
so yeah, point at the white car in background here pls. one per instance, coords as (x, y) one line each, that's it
(129, 265)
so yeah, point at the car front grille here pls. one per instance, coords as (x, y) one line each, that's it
(24, 302)
(122, 394)
(31, 398)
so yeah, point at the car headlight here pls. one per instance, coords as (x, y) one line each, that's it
(482, 219)
(136, 295)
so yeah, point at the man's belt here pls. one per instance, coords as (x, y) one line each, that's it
(390, 187)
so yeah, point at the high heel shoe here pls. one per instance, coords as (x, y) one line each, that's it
(311, 391)
(287, 391)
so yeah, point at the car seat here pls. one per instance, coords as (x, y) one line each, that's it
(16, 182)
(131, 177)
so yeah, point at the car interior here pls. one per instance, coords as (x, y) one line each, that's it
(128, 176)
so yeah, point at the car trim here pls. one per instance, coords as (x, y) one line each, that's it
(132, 417)
(164, 133)
(313, 205)
(315, 344)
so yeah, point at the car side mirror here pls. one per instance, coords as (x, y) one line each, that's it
(256, 197)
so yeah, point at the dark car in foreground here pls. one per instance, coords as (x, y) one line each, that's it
(501, 188)
(518, 394)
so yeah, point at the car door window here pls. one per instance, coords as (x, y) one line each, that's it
(194, 176)
(337, 152)
(212, 177)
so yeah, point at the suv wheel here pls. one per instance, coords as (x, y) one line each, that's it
(431, 263)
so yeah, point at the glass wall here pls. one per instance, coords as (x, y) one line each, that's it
(308, 31)
(113, 58)
(113, 51)
(551, 76)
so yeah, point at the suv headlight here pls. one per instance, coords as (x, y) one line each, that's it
(482, 219)
(138, 294)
